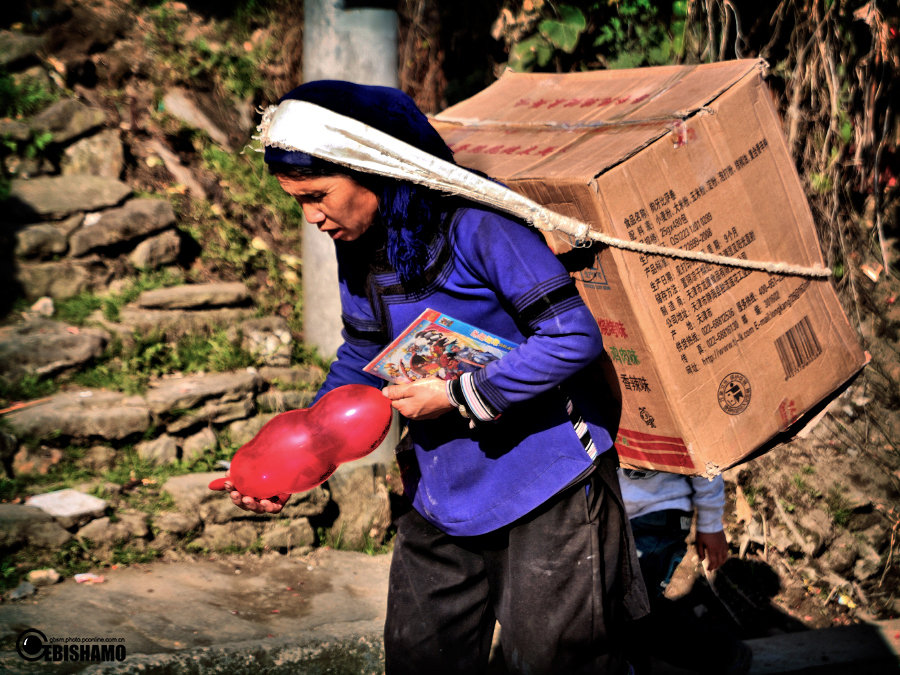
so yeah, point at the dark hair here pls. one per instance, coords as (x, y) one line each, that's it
(411, 215)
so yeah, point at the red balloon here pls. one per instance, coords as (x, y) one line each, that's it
(300, 449)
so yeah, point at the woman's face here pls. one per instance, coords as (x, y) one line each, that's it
(337, 205)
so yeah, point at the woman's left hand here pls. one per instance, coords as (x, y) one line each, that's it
(423, 399)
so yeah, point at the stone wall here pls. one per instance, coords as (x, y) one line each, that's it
(74, 226)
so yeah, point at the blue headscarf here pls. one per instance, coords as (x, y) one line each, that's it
(408, 212)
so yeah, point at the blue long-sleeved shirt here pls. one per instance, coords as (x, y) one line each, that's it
(500, 276)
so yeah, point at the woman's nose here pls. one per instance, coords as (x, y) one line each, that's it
(313, 214)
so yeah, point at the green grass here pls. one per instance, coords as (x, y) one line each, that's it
(838, 506)
(147, 280)
(131, 468)
(130, 369)
(75, 557)
(751, 493)
(26, 388)
(78, 308)
(67, 473)
(129, 554)
(23, 96)
(220, 57)
(327, 538)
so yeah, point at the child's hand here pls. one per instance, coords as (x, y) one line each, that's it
(712, 547)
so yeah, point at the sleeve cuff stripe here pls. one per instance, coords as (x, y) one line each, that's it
(477, 406)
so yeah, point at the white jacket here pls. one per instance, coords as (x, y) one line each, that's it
(660, 490)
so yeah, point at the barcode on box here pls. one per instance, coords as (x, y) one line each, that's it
(797, 348)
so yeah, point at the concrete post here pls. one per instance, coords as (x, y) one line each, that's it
(358, 45)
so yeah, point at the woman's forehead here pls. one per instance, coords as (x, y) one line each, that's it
(308, 184)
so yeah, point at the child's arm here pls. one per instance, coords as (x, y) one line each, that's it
(709, 501)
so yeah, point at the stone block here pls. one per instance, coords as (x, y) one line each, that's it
(177, 522)
(194, 296)
(194, 447)
(232, 535)
(69, 507)
(156, 251)
(160, 450)
(55, 197)
(136, 219)
(288, 534)
(21, 524)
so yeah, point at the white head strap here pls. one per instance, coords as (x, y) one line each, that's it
(305, 127)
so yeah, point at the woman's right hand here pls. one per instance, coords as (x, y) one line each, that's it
(248, 503)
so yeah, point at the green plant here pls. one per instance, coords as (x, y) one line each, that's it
(328, 538)
(75, 557)
(130, 466)
(223, 56)
(582, 34)
(78, 308)
(217, 352)
(28, 387)
(129, 554)
(209, 461)
(838, 505)
(370, 547)
(751, 494)
(642, 33)
(147, 497)
(23, 96)
(9, 575)
(561, 32)
(800, 483)
(248, 182)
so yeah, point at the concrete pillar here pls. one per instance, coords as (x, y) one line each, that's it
(357, 44)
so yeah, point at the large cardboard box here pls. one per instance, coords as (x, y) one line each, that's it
(711, 362)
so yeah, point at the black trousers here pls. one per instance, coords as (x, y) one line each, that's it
(553, 580)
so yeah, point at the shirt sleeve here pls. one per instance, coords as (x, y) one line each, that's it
(562, 335)
(709, 501)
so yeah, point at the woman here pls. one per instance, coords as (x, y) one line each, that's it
(516, 515)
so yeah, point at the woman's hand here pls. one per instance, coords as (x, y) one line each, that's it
(423, 399)
(248, 503)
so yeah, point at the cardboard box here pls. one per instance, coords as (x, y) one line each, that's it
(712, 363)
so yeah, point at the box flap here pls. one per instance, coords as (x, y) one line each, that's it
(527, 124)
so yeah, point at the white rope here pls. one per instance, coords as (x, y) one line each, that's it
(314, 130)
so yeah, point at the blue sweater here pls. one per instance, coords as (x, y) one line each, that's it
(500, 276)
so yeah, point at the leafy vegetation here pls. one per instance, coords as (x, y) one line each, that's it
(23, 95)
(583, 35)
(76, 309)
(230, 61)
